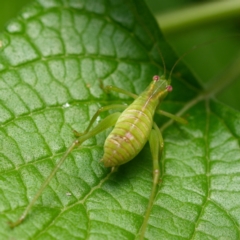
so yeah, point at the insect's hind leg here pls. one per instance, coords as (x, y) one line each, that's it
(156, 147)
(98, 112)
(107, 122)
(110, 88)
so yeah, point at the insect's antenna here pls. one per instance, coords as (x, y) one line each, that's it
(163, 62)
(199, 46)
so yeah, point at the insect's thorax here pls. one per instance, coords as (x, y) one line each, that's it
(133, 127)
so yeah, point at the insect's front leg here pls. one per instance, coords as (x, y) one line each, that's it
(156, 147)
(110, 88)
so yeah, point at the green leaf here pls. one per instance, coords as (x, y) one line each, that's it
(51, 59)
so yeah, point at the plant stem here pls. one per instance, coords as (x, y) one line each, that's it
(198, 15)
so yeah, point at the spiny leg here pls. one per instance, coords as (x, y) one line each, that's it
(172, 116)
(103, 125)
(156, 147)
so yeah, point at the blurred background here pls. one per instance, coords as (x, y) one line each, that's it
(209, 62)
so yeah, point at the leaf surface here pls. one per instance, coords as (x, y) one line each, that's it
(51, 59)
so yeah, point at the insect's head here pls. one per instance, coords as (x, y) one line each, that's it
(160, 87)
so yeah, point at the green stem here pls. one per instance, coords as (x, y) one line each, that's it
(198, 15)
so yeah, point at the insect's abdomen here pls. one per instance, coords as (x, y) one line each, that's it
(130, 133)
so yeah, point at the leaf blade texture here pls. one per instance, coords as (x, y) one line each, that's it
(52, 57)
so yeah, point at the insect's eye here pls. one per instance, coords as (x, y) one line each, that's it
(169, 88)
(156, 78)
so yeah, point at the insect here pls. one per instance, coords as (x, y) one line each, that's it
(133, 128)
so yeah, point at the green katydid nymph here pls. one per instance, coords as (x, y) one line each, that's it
(132, 129)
